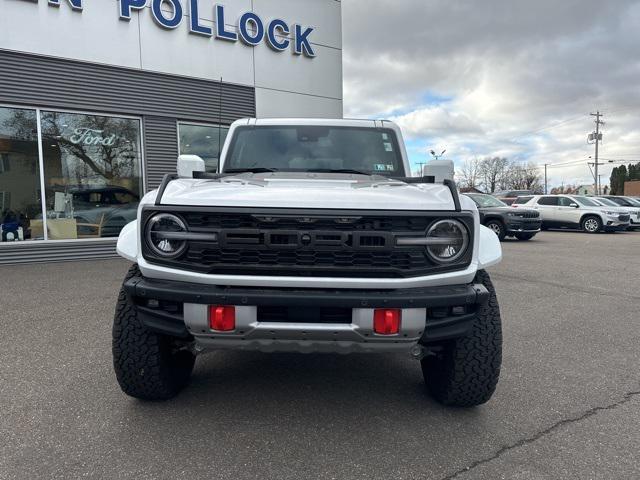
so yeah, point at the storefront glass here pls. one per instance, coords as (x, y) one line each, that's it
(203, 140)
(92, 174)
(20, 201)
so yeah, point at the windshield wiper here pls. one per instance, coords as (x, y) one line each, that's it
(251, 170)
(340, 170)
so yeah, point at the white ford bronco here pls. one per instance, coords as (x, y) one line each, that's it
(311, 237)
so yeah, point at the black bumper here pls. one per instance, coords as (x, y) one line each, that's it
(441, 323)
(527, 226)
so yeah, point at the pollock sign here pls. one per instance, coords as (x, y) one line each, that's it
(250, 28)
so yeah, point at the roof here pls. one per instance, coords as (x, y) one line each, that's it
(322, 122)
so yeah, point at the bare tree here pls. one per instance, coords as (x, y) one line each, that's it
(492, 172)
(523, 177)
(469, 174)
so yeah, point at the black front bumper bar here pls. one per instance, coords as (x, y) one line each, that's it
(438, 329)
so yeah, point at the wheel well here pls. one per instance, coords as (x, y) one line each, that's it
(489, 219)
(587, 215)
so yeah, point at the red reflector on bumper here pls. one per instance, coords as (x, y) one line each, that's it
(221, 318)
(386, 321)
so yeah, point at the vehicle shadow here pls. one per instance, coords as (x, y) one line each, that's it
(308, 389)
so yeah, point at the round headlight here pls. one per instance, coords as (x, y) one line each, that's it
(164, 235)
(447, 241)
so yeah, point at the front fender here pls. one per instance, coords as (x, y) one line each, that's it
(490, 250)
(127, 246)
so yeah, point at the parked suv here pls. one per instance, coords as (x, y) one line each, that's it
(510, 196)
(574, 211)
(629, 203)
(505, 221)
(311, 239)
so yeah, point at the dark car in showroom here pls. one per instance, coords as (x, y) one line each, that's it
(504, 220)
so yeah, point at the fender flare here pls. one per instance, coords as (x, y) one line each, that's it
(127, 246)
(489, 248)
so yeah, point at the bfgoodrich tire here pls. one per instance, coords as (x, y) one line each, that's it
(148, 365)
(465, 372)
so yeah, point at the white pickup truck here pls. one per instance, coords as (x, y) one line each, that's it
(311, 237)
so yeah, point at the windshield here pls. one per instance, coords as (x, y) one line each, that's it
(315, 148)
(607, 202)
(586, 202)
(484, 201)
(633, 201)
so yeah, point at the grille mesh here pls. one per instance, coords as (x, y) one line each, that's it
(349, 245)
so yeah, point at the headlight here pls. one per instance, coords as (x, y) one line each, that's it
(447, 241)
(512, 214)
(613, 214)
(164, 234)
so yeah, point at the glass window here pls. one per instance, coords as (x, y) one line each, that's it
(206, 141)
(20, 200)
(549, 201)
(584, 201)
(605, 201)
(522, 200)
(92, 174)
(486, 201)
(315, 148)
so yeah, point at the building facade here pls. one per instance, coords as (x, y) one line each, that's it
(98, 98)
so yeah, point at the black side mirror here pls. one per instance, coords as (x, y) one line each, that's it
(574, 205)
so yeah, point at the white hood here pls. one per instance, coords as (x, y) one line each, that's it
(308, 190)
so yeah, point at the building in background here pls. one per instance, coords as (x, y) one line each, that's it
(98, 98)
(632, 188)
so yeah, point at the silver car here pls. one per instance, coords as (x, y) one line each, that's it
(575, 211)
(629, 203)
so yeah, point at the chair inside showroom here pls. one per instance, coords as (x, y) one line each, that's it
(91, 230)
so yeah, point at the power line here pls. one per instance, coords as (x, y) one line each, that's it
(553, 125)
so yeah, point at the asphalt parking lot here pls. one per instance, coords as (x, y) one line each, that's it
(567, 406)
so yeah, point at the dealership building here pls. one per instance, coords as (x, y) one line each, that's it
(99, 97)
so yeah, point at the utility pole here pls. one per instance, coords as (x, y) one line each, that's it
(545, 177)
(420, 165)
(597, 136)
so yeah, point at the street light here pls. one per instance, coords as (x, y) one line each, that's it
(436, 156)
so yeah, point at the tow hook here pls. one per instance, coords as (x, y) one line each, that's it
(419, 352)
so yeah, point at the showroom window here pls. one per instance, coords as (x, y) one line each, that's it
(203, 140)
(89, 167)
(20, 199)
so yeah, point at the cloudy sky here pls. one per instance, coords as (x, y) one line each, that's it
(501, 77)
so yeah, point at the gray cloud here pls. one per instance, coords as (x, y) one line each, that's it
(507, 67)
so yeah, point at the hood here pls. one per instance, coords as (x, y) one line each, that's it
(308, 190)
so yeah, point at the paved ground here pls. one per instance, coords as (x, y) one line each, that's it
(568, 404)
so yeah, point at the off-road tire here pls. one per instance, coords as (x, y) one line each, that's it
(589, 220)
(525, 236)
(498, 228)
(465, 372)
(148, 365)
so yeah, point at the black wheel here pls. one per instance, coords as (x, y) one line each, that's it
(466, 371)
(525, 236)
(498, 228)
(591, 224)
(148, 365)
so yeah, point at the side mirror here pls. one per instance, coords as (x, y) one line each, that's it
(187, 164)
(574, 205)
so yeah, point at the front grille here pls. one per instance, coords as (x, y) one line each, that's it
(307, 243)
(624, 218)
(529, 214)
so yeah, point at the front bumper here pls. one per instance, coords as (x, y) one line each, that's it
(429, 315)
(615, 224)
(523, 226)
